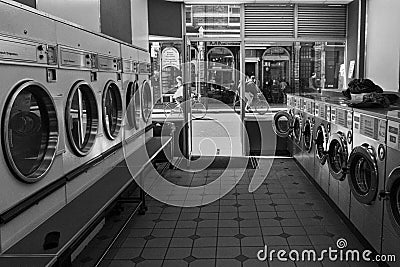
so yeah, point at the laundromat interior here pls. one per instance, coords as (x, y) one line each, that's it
(199, 133)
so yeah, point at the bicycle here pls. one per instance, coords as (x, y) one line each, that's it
(260, 105)
(199, 110)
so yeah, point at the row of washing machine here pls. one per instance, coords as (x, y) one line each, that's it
(64, 94)
(354, 156)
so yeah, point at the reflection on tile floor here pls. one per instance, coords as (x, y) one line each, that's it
(286, 212)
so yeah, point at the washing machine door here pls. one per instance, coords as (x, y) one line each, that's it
(81, 118)
(363, 174)
(130, 100)
(308, 135)
(393, 203)
(283, 123)
(30, 131)
(147, 102)
(112, 110)
(297, 128)
(338, 156)
(321, 143)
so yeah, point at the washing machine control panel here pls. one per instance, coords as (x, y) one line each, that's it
(107, 63)
(14, 50)
(72, 58)
(369, 126)
(129, 66)
(291, 101)
(393, 135)
(322, 111)
(310, 106)
(342, 117)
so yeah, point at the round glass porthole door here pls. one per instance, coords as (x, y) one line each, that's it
(30, 131)
(307, 135)
(112, 110)
(393, 203)
(363, 179)
(81, 117)
(282, 124)
(297, 128)
(337, 156)
(133, 104)
(146, 101)
(321, 139)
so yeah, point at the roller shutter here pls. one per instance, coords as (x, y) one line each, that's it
(269, 20)
(322, 21)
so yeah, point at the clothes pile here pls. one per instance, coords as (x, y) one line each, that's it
(364, 93)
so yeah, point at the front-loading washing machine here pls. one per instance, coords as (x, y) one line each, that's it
(146, 89)
(308, 135)
(93, 108)
(297, 133)
(283, 123)
(32, 136)
(391, 194)
(367, 173)
(339, 149)
(133, 119)
(321, 138)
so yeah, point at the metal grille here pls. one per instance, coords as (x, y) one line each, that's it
(322, 20)
(269, 21)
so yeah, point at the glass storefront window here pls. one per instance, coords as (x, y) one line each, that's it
(215, 20)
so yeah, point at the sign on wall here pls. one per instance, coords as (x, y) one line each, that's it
(170, 58)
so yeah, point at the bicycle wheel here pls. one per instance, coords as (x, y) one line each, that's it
(198, 110)
(261, 107)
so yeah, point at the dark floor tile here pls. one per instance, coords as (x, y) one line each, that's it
(181, 242)
(183, 232)
(203, 263)
(228, 215)
(228, 242)
(251, 231)
(150, 253)
(207, 223)
(228, 263)
(178, 253)
(298, 240)
(227, 252)
(205, 242)
(228, 223)
(118, 263)
(228, 231)
(127, 253)
(252, 241)
(162, 232)
(207, 231)
(158, 243)
(275, 240)
(204, 253)
(255, 263)
(174, 263)
(135, 242)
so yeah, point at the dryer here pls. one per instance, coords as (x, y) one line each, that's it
(283, 123)
(367, 173)
(32, 135)
(146, 89)
(321, 139)
(132, 120)
(391, 194)
(339, 149)
(297, 133)
(308, 135)
(93, 105)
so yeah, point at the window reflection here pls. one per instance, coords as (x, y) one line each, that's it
(28, 132)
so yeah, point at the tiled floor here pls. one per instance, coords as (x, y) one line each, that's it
(286, 212)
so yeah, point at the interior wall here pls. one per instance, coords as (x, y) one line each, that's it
(383, 43)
